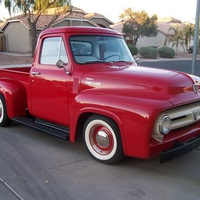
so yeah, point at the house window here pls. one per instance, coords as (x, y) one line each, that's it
(53, 49)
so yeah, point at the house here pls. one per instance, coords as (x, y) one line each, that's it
(99, 19)
(2, 37)
(1, 23)
(18, 34)
(164, 25)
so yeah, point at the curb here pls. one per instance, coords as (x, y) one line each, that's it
(15, 54)
(165, 59)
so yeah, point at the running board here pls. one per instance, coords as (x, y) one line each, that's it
(43, 126)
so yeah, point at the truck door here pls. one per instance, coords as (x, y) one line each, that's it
(49, 85)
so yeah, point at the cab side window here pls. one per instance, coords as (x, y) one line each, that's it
(53, 49)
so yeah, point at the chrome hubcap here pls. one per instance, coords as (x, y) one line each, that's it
(102, 139)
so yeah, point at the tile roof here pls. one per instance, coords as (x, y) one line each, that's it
(45, 19)
(1, 25)
(164, 24)
(91, 15)
(169, 20)
(75, 9)
(96, 15)
(73, 16)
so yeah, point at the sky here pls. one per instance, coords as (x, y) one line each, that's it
(185, 10)
(111, 9)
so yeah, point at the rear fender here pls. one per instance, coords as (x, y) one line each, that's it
(15, 97)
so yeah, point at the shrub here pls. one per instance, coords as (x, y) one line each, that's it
(148, 52)
(154, 47)
(166, 52)
(133, 49)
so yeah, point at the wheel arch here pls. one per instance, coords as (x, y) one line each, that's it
(14, 94)
(76, 127)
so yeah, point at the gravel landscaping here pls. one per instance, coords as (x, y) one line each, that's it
(14, 59)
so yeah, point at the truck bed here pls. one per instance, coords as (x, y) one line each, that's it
(17, 73)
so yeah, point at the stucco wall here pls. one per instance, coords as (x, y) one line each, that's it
(2, 42)
(63, 23)
(157, 41)
(17, 38)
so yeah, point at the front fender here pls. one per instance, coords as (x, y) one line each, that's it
(15, 96)
(80, 111)
(134, 116)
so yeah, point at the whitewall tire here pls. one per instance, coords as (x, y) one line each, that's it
(4, 120)
(102, 139)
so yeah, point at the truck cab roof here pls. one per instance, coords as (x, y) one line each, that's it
(80, 29)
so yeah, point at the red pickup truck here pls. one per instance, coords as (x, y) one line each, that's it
(84, 81)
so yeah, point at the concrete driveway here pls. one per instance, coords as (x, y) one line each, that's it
(34, 165)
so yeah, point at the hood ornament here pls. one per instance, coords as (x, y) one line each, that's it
(195, 88)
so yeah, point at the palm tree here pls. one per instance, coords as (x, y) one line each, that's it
(188, 33)
(176, 37)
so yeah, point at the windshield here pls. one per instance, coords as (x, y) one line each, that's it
(93, 49)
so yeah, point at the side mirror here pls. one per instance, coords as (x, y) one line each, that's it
(61, 64)
(137, 60)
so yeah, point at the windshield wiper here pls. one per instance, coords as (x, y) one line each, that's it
(128, 62)
(101, 61)
(95, 61)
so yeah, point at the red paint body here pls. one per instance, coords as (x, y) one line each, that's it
(133, 96)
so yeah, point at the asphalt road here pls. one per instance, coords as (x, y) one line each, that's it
(179, 65)
(37, 166)
(34, 165)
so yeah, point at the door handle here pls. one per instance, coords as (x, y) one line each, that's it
(35, 73)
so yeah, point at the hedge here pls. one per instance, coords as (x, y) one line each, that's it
(148, 52)
(166, 52)
(133, 49)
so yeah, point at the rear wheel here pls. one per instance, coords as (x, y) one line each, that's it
(4, 120)
(102, 139)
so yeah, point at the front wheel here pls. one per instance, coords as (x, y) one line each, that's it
(102, 139)
(4, 120)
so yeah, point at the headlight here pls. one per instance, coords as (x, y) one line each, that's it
(165, 125)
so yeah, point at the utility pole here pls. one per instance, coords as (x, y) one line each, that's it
(196, 36)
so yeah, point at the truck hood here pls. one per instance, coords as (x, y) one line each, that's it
(143, 82)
